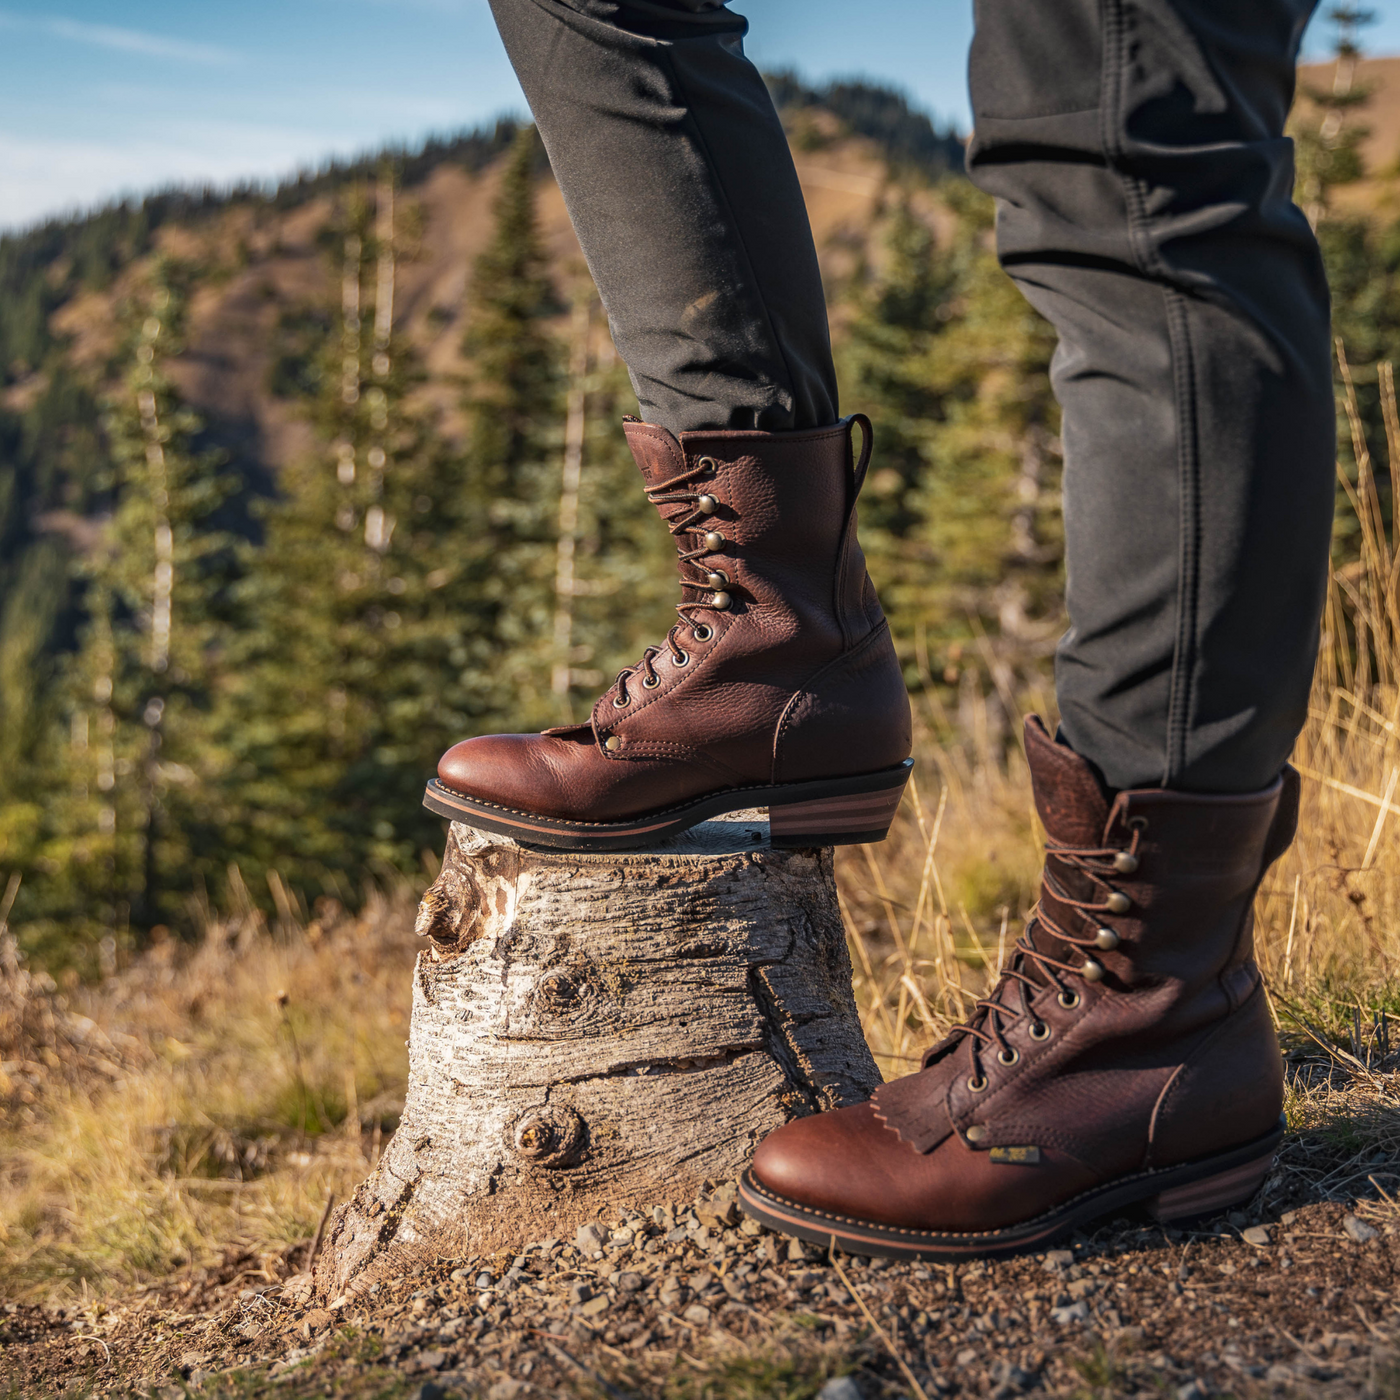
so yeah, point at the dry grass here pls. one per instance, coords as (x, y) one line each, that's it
(211, 1100)
(201, 1102)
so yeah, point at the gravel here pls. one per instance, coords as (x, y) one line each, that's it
(1132, 1308)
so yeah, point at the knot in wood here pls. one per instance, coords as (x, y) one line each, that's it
(549, 1137)
(437, 916)
(563, 991)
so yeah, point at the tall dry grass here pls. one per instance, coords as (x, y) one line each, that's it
(208, 1102)
(201, 1105)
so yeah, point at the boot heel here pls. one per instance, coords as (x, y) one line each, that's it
(1212, 1193)
(851, 819)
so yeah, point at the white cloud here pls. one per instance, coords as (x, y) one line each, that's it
(109, 36)
(42, 176)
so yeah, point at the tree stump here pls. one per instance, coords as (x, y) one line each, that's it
(599, 1030)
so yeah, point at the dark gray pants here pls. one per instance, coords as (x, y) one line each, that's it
(1143, 182)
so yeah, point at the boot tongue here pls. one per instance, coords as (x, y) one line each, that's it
(1074, 809)
(1072, 803)
(657, 452)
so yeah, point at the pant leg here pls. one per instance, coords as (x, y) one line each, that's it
(680, 185)
(1144, 184)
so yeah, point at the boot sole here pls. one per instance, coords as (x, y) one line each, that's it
(1170, 1194)
(822, 812)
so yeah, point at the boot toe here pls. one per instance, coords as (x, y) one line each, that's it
(520, 771)
(845, 1162)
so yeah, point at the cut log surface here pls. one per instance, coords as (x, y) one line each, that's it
(591, 1031)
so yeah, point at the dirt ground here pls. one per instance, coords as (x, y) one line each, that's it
(695, 1302)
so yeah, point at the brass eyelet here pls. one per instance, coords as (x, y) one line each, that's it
(619, 703)
(702, 633)
(682, 660)
(707, 464)
(1069, 1000)
(1008, 1057)
(1118, 903)
(716, 578)
(1040, 1031)
(978, 1084)
(652, 683)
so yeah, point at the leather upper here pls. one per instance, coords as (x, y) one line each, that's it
(1170, 1057)
(796, 679)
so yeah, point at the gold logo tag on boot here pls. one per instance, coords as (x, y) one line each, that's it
(1017, 1156)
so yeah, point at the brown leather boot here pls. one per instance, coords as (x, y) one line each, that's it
(779, 687)
(1127, 1057)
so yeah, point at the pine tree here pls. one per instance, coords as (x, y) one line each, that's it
(960, 518)
(515, 410)
(1327, 141)
(348, 682)
(126, 824)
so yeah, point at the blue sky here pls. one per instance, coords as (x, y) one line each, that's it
(106, 97)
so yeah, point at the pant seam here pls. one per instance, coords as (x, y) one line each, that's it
(1181, 695)
(1111, 123)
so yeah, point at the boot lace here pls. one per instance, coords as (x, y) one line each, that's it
(995, 1015)
(686, 509)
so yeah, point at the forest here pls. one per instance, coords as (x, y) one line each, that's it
(227, 663)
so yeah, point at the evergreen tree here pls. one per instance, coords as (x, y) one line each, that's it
(615, 576)
(347, 683)
(1327, 141)
(960, 517)
(514, 405)
(124, 826)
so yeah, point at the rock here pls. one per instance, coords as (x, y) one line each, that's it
(595, 1307)
(1058, 1259)
(1358, 1229)
(1193, 1390)
(1279, 1374)
(1256, 1234)
(589, 1240)
(318, 1319)
(429, 1390)
(631, 1283)
(840, 1388)
(1075, 1312)
(697, 1313)
(432, 1360)
(298, 1289)
(507, 1390)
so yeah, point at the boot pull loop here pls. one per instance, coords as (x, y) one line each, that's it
(867, 446)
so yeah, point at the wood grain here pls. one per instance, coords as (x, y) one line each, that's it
(594, 1030)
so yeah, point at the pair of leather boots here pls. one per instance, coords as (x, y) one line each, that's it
(1125, 1058)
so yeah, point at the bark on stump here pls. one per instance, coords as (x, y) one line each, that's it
(591, 1031)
